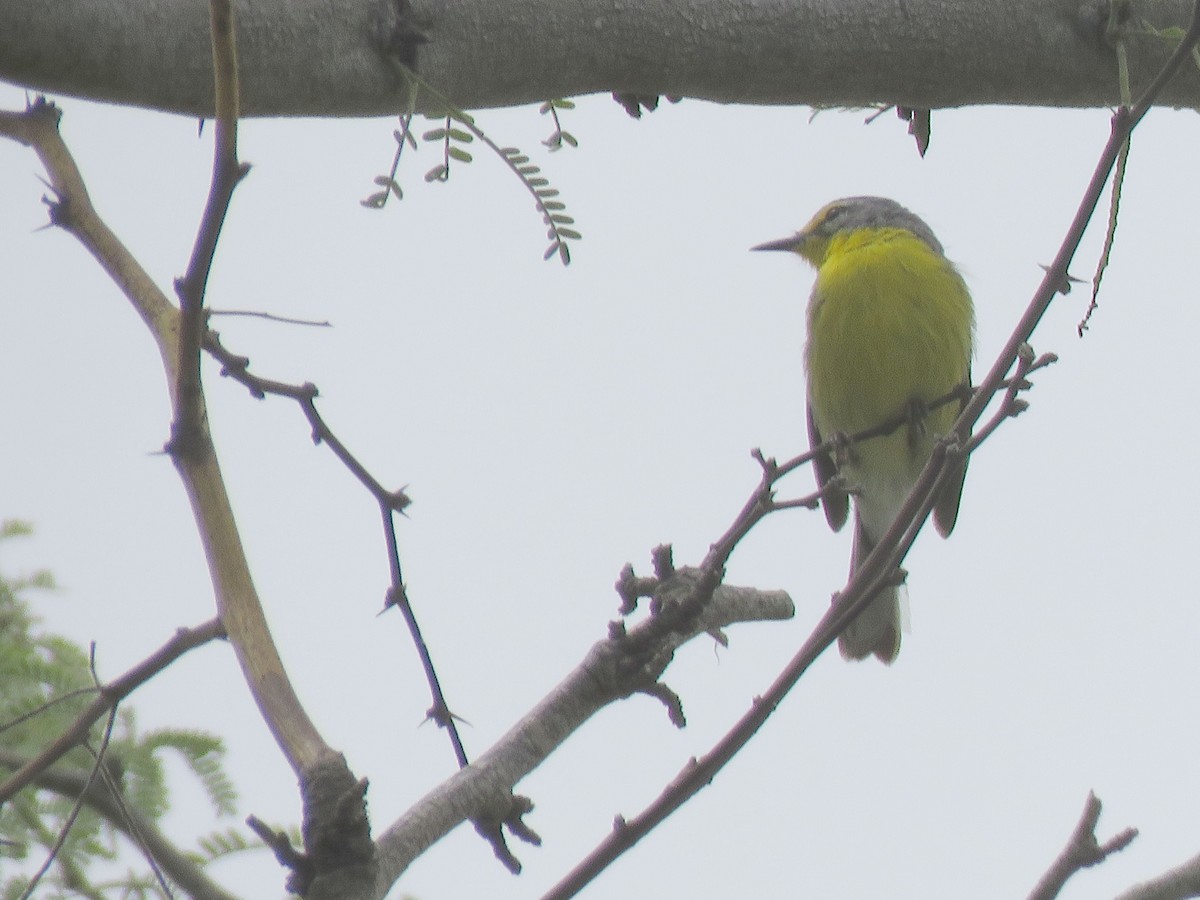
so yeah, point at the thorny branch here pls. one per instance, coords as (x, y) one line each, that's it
(390, 502)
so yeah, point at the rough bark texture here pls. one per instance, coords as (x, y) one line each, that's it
(323, 57)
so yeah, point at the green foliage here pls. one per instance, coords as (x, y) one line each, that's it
(453, 141)
(48, 681)
(558, 138)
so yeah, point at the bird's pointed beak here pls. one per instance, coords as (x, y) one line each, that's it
(789, 244)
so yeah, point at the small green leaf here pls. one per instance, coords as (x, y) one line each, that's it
(518, 159)
(457, 134)
(437, 173)
(547, 192)
(553, 205)
(563, 103)
(562, 220)
(569, 234)
(536, 182)
(569, 138)
(460, 154)
(530, 169)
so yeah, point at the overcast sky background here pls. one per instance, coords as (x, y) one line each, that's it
(553, 424)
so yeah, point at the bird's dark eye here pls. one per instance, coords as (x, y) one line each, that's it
(832, 217)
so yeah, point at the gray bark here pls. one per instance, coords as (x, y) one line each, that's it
(323, 57)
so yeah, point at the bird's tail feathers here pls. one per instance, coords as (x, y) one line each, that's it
(877, 628)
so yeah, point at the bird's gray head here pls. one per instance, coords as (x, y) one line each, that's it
(851, 214)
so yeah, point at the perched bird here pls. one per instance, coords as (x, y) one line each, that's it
(890, 327)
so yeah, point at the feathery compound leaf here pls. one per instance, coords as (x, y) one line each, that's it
(528, 172)
(219, 844)
(403, 137)
(392, 186)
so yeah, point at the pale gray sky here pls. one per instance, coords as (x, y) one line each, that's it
(553, 424)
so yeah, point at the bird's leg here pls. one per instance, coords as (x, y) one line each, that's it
(843, 449)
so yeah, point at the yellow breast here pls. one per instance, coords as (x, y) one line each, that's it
(889, 320)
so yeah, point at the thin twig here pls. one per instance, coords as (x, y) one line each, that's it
(390, 501)
(110, 695)
(227, 172)
(75, 808)
(69, 781)
(270, 317)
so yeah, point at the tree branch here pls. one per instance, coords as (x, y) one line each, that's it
(240, 610)
(1082, 851)
(315, 58)
(614, 668)
(237, 599)
(1175, 884)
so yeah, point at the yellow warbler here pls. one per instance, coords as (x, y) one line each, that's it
(890, 326)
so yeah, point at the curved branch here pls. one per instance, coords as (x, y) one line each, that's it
(237, 599)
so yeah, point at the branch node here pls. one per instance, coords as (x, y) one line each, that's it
(1083, 851)
(663, 559)
(669, 699)
(630, 589)
(491, 830)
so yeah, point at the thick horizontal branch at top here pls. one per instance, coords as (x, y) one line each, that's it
(326, 57)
